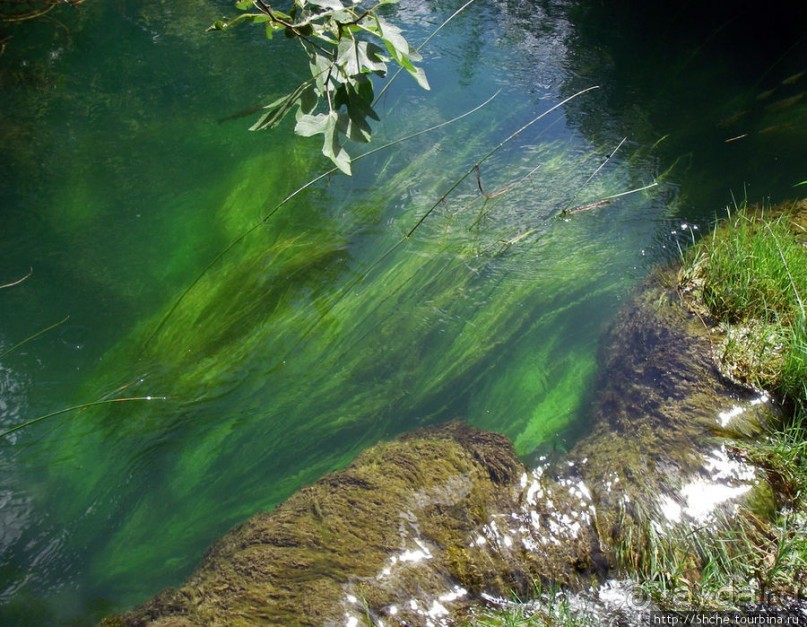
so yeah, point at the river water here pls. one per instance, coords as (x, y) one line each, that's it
(269, 342)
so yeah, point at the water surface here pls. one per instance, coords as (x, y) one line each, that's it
(325, 328)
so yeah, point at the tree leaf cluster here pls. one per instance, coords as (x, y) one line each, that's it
(346, 44)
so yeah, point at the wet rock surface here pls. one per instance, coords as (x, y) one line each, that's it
(421, 528)
(663, 420)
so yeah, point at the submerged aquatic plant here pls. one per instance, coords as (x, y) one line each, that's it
(309, 340)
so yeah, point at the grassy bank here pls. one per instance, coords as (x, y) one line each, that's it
(748, 280)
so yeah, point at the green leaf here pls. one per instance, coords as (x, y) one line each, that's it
(370, 59)
(356, 58)
(319, 66)
(360, 98)
(353, 123)
(243, 4)
(332, 5)
(345, 17)
(391, 35)
(277, 110)
(338, 156)
(370, 25)
(310, 125)
(308, 100)
(358, 130)
(364, 89)
(331, 147)
(420, 77)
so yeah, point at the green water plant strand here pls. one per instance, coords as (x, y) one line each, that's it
(593, 174)
(34, 336)
(28, 423)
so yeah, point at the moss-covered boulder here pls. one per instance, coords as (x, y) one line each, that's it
(408, 531)
(664, 424)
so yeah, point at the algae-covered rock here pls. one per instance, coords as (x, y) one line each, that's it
(662, 424)
(406, 532)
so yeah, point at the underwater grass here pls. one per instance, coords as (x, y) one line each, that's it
(310, 373)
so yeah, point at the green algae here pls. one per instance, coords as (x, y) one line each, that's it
(424, 330)
(344, 525)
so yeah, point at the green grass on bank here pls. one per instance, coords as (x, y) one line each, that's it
(749, 278)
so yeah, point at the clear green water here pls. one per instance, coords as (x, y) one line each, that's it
(325, 330)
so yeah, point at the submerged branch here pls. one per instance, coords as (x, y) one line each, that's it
(606, 200)
(568, 208)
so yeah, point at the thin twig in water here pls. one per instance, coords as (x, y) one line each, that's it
(633, 191)
(18, 281)
(587, 207)
(607, 159)
(566, 209)
(606, 200)
(479, 180)
(497, 193)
